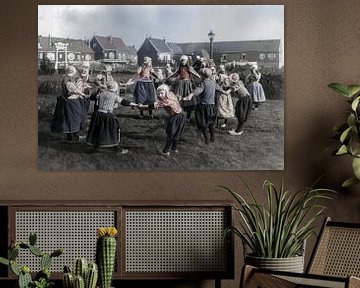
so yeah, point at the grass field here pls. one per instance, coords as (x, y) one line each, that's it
(261, 147)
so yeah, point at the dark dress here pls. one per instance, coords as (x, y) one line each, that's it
(104, 129)
(69, 111)
(144, 92)
(244, 104)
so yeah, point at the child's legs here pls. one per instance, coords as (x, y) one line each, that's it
(212, 132)
(239, 127)
(168, 145)
(174, 145)
(206, 135)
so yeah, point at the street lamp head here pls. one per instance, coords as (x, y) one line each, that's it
(211, 35)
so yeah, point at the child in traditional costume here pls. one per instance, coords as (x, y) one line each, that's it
(175, 123)
(104, 129)
(243, 105)
(68, 114)
(255, 88)
(184, 84)
(144, 92)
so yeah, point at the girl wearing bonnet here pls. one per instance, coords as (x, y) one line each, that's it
(144, 92)
(243, 105)
(184, 84)
(104, 129)
(175, 123)
(68, 113)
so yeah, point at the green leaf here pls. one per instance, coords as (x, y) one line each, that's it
(355, 103)
(349, 182)
(345, 134)
(351, 120)
(340, 88)
(4, 261)
(342, 150)
(356, 167)
(353, 89)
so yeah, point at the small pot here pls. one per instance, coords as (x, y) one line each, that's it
(291, 264)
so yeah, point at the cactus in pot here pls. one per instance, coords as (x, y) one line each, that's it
(85, 275)
(42, 277)
(106, 254)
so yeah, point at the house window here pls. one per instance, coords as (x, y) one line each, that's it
(87, 57)
(94, 45)
(51, 56)
(111, 55)
(40, 55)
(106, 55)
(71, 56)
(272, 56)
(224, 56)
(262, 56)
(243, 56)
(39, 45)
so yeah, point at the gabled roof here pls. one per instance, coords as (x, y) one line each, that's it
(232, 46)
(132, 50)
(75, 45)
(175, 48)
(160, 45)
(111, 43)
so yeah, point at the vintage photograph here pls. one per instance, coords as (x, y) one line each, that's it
(161, 87)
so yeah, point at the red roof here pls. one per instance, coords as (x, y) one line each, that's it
(110, 42)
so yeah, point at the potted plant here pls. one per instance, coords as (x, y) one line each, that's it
(42, 278)
(349, 131)
(275, 233)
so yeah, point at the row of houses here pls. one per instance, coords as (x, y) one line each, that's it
(113, 50)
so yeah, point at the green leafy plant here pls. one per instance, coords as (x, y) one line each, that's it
(42, 278)
(349, 131)
(279, 229)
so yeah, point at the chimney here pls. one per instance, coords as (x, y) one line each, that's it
(110, 38)
(49, 40)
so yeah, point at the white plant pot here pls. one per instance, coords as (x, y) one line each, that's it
(291, 264)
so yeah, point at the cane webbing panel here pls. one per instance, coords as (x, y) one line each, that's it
(338, 252)
(175, 241)
(313, 282)
(74, 231)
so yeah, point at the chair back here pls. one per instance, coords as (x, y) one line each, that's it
(337, 251)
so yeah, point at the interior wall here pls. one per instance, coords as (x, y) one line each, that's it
(322, 40)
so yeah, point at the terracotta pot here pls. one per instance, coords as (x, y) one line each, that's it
(291, 264)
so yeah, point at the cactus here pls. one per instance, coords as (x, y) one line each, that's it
(82, 270)
(79, 282)
(81, 265)
(68, 280)
(36, 251)
(32, 238)
(91, 276)
(45, 261)
(106, 254)
(24, 278)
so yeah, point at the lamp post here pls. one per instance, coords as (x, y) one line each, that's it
(211, 36)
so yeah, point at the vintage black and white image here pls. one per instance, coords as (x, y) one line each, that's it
(161, 87)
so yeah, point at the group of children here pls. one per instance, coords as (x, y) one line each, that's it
(202, 89)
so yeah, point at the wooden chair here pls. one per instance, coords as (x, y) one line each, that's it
(335, 262)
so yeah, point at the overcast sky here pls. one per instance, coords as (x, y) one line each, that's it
(175, 23)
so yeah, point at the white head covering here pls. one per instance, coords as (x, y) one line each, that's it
(112, 86)
(70, 70)
(234, 77)
(184, 58)
(147, 60)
